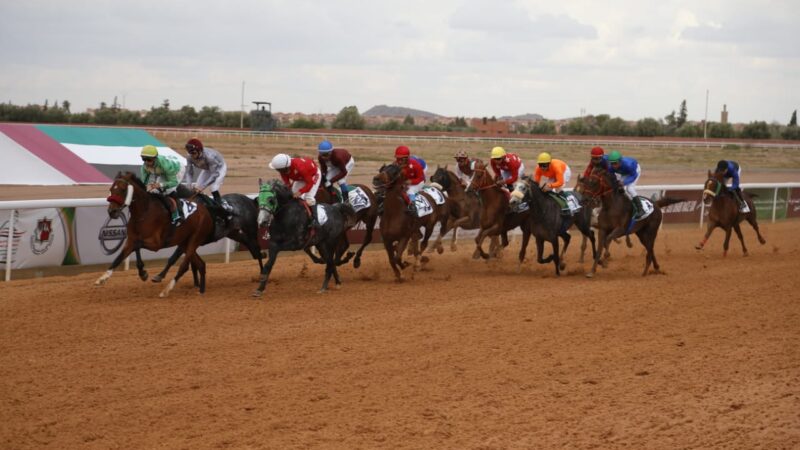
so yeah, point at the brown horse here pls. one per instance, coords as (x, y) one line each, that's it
(465, 212)
(616, 217)
(723, 212)
(593, 205)
(150, 227)
(368, 215)
(398, 226)
(496, 219)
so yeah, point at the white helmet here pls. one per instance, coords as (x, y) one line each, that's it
(280, 161)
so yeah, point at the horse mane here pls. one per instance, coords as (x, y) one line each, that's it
(133, 178)
(281, 190)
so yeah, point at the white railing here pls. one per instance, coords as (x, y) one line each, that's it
(17, 205)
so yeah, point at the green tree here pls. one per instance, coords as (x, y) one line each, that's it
(720, 130)
(349, 119)
(756, 130)
(791, 133)
(793, 120)
(65, 105)
(408, 120)
(306, 123)
(682, 115)
(543, 127)
(690, 130)
(649, 127)
(579, 127)
(615, 127)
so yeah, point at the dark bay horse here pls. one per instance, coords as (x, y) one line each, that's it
(615, 219)
(398, 226)
(547, 223)
(496, 219)
(367, 215)
(150, 227)
(723, 212)
(288, 221)
(242, 228)
(465, 211)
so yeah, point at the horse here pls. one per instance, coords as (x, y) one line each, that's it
(465, 211)
(495, 216)
(548, 223)
(242, 227)
(368, 215)
(593, 205)
(616, 217)
(288, 220)
(398, 226)
(723, 212)
(150, 227)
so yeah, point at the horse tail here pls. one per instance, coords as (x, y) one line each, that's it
(348, 213)
(666, 201)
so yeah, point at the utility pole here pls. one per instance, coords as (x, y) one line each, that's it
(241, 116)
(705, 121)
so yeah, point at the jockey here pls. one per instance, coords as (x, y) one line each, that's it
(507, 167)
(731, 170)
(303, 176)
(413, 171)
(465, 167)
(212, 170)
(627, 170)
(598, 159)
(552, 174)
(161, 174)
(336, 164)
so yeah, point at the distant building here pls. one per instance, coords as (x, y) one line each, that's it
(724, 115)
(489, 126)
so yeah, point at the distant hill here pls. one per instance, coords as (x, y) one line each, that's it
(530, 117)
(398, 111)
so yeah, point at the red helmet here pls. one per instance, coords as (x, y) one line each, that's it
(597, 151)
(402, 152)
(194, 144)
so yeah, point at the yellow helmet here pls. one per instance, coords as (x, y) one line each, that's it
(149, 151)
(544, 158)
(498, 152)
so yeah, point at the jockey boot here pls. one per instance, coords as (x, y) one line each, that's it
(175, 209)
(637, 207)
(222, 203)
(412, 207)
(737, 194)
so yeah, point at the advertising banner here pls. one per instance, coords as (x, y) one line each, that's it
(686, 211)
(41, 238)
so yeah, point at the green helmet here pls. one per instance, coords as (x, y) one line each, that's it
(615, 156)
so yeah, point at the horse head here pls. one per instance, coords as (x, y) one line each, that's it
(522, 190)
(481, 178)
(599, 183)
(387, 177)
(121, 193)
(267, 203)
(712, 188)
(441, 178)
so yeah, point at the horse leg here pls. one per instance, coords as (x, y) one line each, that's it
(494, 229)
(198, 265)
(341, 249)
(556, 257)
(753, 221)
(711, 226)
(265, 271)
(727, 241)
(526, 237)
(326, 250)
(170, 262)
(255, 251)
(540, 252)
(140, 265)
(367, 239)
(583, 248)
(738, 230)
(628, 241)
(566, 237)
(191, 249)
(601, 236)
(129, 247)
(314, 258)
(389, 246)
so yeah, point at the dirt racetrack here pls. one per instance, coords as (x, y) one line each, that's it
(466, 355)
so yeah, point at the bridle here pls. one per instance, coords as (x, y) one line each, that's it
(472, 185)
(603, 187)
(117, 199)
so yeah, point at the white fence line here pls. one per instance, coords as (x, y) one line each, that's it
(16, 205)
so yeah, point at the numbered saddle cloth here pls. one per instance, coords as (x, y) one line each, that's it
(435, 194)
(647, 208)
(322, 214)
(188, 208)
(423, 206)
(358, 199)
(573, 203)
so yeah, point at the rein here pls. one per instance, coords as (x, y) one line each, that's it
(484, 187)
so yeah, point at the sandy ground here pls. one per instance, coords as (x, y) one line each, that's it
(468, 354)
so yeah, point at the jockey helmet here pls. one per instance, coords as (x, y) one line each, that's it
(597, 152)
(194, 145)
(498, 152)
(325, 146)
(280, 161)
(402, 152)
(149, 151)
(614, 157)
(461, 154)
(544, 158)
(722, 166)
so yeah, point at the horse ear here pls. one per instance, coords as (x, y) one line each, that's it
(709, 174)
(260, 182)
(445, 166)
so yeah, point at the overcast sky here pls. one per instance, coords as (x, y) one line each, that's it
(629, 58)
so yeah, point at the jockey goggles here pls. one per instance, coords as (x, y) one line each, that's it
(148, 158)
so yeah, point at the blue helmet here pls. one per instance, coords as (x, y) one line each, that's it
(325, 146)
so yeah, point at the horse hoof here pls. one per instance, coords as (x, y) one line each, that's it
(143, 276)
(256, 294)
(745, 254)
(163, 294)
(562, 267)
(321, 291)
(156, 279)
(698, 247)
(762, 241)
(589, 275)
(357, 263)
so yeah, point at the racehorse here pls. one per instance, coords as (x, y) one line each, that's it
(723, 212)
(398, 226)
(242, 227)
(548, 223)
(616, 217)
(593, 205)
(368, 215)
(288, 220)
(150, 227)
(495, 216)
(465, 212)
